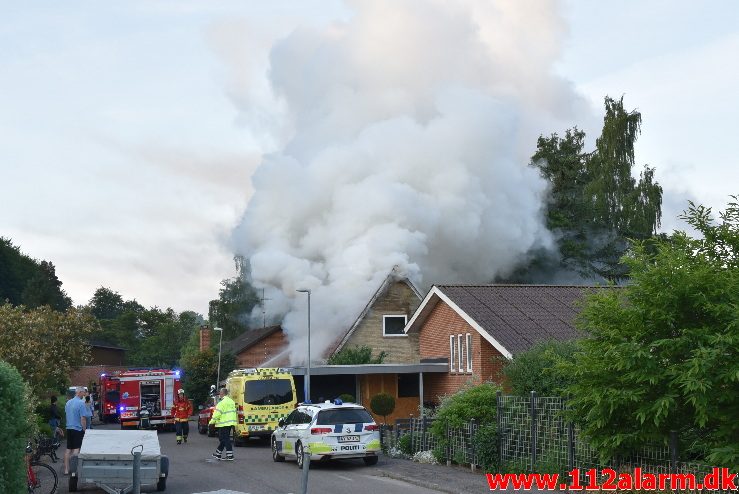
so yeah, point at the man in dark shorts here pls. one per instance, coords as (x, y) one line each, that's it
(76, 423)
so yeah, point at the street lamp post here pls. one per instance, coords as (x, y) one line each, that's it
(306, 385)
(220, 340)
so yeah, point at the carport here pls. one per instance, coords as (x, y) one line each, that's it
(402, 381)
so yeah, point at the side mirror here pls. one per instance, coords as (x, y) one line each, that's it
(281, 423)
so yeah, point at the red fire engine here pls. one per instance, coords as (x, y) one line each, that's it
(109, 396)
(147, 396)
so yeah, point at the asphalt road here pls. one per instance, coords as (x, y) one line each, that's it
(253, 472)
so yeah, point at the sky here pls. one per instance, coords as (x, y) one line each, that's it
(127, 143)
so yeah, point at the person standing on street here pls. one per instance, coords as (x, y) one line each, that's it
(224, 417)
(54, 416)
(76, 422)
(88, 410)
(182, 412)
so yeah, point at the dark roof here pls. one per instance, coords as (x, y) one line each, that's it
(518, 316)
(249, 338)
(104, 344)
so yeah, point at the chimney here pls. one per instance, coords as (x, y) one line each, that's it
(205, 333)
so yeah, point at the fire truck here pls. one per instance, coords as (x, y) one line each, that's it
(109, 396)
(147, 397)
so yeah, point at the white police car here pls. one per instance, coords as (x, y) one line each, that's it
(330, 430)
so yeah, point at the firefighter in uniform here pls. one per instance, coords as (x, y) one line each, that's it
(182, 412)
(224, 418)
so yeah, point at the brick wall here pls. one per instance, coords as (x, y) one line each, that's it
(398, 299)
(88, 374)
(434, 343)
(263, 351)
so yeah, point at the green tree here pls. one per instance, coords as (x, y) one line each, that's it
(106, 304)
(382, 404)
(663, 352)
(44, 288)
(166, 335)
(200, 371)
(535, 369)
(236, 299)
(43, 344)
(24, 280)
(595, 205)
(358, 355)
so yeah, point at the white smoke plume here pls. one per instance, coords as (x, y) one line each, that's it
(403, 140)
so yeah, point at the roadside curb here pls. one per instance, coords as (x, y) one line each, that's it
(417, 482)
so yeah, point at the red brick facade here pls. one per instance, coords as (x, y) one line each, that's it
(205, 336)
(263, 351)
(434, 343)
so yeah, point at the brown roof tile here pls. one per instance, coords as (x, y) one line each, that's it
(520, 316)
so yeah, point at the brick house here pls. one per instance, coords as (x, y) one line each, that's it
(104, 357)
(477, 328)
(262, 347)
(381, 323)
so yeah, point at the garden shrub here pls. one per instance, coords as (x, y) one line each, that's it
(347, 398)
(404, 444)
(535, 369)
(474, 402)
(13, 430)
(457, 410)
(382, 404)
(486, 447)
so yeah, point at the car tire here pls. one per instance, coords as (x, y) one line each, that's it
(162, 484)
(202, 429)
(299, 455)
(72, 484)
(276, 457)
(211, 431)
(370, 460)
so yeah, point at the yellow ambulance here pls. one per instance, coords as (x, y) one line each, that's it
(262, 397)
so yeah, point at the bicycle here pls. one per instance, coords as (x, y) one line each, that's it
(42, 478)
(46, 446)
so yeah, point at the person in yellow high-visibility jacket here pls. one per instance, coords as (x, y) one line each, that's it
(224, 417)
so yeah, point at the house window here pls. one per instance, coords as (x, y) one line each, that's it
(469, 353)
(408, 386)
(393, 325)
(452, 353)
(460, 348)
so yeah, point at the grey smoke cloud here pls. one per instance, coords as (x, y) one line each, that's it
(403, 140)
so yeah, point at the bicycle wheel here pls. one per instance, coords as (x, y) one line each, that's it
(46, 479)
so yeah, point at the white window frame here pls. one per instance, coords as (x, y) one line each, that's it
(460, 350)
(405, 321)
(468, 337)
(452, 352)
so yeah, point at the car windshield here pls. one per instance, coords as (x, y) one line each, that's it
(268, 392)
(343, 416)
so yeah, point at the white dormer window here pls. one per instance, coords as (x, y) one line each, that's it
(393, 325)
(452, 352)
(460, 349)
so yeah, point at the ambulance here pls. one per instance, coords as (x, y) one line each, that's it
(262, 397)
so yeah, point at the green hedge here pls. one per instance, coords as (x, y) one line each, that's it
(13, 430)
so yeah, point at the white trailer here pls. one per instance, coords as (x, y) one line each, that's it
(106, 459)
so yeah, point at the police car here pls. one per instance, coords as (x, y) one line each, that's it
(330, 430)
